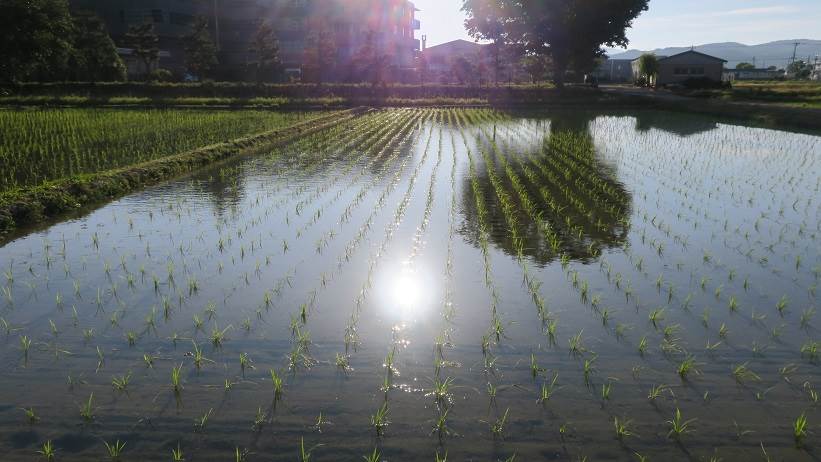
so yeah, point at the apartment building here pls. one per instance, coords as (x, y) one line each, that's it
(389, 24)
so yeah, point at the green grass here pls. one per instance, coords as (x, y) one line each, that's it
(805, 94)
(47, 144)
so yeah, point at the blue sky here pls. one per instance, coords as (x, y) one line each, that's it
(672, 22)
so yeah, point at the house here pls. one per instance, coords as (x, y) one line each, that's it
(731, 75)
(440, 58)
(689, 65)
(816, 73)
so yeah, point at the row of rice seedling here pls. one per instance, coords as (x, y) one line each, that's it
(220, 300)
(46, 144)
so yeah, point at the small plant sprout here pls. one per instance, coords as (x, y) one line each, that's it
(31, 417)
(343, 362)
(48, 451)
(379, 420)
(176, 378)
(679, 426)
(121, 383)
(201, 422)
(277, 384)
(498, 427)
(622, 427)
(781, 305)
(535, 370)
(576, 346)
(87, 409)
(548, 389)
(177, 454)
(742, 374)
(799, 427)
(810, 350)
(375, 456)
(115, 450)
(686, 367)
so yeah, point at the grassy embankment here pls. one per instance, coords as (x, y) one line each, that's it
(20, 206)
(798, 94)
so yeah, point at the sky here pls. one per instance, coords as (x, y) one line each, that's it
(671, 22)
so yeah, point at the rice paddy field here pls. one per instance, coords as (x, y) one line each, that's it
(433, 284)
(47, 144)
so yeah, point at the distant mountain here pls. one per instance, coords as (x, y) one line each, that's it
(766, 54)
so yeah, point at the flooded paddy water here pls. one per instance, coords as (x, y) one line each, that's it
(468, 283)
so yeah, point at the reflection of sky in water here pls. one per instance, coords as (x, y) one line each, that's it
(729, 205)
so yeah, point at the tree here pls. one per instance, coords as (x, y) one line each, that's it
(570, 32)
(537, 67)
(648, 67)
(320, 51)
(265, 49)
(369, 62)
(799, 69)
(423, 67)
(35, 39)
(462, 70)
(742, 66)
(95, 56)
(200, 49)
(144, 42)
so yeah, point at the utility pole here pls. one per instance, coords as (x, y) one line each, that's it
(794, 50)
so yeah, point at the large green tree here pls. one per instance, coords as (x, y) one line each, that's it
(145, 43)
(648, 68)
(264, 50)
(320, 51)
(570, 32)
(35, 39)
(200, 49)
(369, 63)
(95, 56)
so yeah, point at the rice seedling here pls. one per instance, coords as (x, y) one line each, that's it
(379, 420)
(781, 305)
(87, 409)
(679, 426)
(623, 428)
(277, 383)
(498, 427)
(799, 427)
(810, 350)
(200, 423)
(576, 346)
(375, 456)
(25, 345)
(177, 454)
(121, 383)
(48, 451)
(742, 373)
(31, 417)
(176, 378)
(687, 366)
(115, 450)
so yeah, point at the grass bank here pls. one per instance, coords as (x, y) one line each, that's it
(799, 94)
(27, 206)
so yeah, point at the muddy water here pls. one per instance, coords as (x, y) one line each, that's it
(495, 283)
